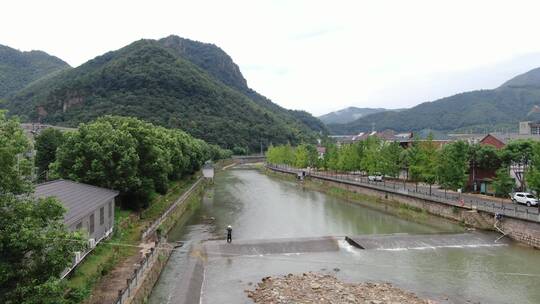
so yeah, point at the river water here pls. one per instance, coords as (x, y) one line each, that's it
(261, 207)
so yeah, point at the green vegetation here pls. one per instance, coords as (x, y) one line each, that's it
(35, 246)
(448, 166)
(348, 115)
(173, 82)
(507, 104)
(46, 144)
(15, 165)
(131, 156)
(18, 69)
(503, 183)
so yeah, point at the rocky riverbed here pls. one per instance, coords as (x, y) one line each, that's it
(321, 288)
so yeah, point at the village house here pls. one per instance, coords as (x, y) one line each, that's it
(89, 209)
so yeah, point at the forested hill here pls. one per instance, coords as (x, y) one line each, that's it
(506, 105)
(348, 114)
(18, 69)
(220, 65)
(161, 82)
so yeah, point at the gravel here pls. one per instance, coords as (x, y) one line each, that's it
(319, 288)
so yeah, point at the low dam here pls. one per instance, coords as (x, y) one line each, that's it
(280, 227)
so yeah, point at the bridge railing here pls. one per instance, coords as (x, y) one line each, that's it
(456, 200)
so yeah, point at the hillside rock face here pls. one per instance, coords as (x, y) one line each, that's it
(18, 69)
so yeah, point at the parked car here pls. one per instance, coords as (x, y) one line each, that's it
(524, 198)
(375, 177)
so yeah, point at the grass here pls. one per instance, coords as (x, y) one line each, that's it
(161, 203)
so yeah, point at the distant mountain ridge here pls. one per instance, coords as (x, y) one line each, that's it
(18, 69)
(349, 114)
(505, 105)
(174, 82)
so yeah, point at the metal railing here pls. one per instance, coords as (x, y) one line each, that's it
(402, 188)
(164, 216)
(138, 276)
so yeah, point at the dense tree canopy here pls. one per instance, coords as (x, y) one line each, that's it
(35, 246)
(131, 156)
(46, 144)
(15, 166)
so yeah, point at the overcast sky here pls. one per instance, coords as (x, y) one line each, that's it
(318, 56)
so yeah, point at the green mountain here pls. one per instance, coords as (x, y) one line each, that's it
(348, 114)
(220, 65)
(172, 82)
(18, 69)
(484, 109)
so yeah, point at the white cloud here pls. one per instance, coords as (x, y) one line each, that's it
(313, 55)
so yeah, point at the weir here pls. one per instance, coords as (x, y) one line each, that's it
(399, 241)
(402, 241)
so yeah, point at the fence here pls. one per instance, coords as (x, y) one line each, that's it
(138, 276)
(179, 201)
(457, 200)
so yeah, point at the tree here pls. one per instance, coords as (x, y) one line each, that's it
(331, 157)
(35, 247)
(427, 165)
(391, 159)
(503, 183)
(533, 175)
(452, 165)
(15, 165)
(517, 155)
(99, 154)
(46, 144)
(371, 160)
(305, 155)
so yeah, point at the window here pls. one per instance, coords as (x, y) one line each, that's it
(101, 215)
(520, 195)
(110, 209)
(91, 228)
(79, 226)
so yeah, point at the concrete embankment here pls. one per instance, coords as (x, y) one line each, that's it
(151, 277)
(524, 231)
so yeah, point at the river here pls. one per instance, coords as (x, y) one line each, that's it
(261, 207)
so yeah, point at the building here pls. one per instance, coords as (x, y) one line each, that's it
(89, 208)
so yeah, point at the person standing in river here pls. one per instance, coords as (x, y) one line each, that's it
(229, 234)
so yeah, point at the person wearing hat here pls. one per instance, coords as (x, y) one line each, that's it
(229, 234)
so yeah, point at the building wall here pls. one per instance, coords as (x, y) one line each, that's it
(99, 229)
(524, 128)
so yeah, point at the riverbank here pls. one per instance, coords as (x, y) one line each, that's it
(103, 273)
(521, 230)
(407, 212)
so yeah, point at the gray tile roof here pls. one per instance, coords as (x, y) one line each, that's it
(79, 199)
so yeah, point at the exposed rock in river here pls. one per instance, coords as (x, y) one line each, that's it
(319, 288)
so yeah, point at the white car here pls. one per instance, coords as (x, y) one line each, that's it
(375, 178)
(524, 198)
